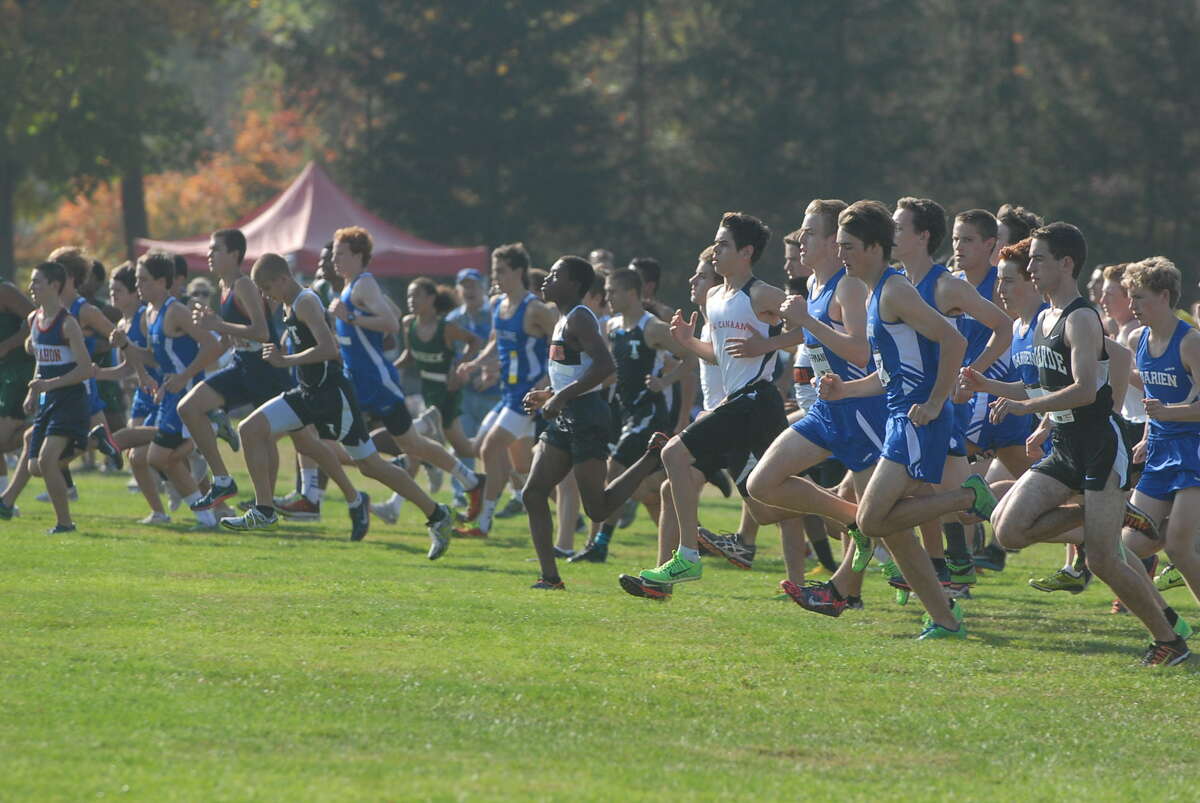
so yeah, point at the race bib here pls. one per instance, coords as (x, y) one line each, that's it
(820, 362)
(513, 366)
(884, 376)
(1062, 416)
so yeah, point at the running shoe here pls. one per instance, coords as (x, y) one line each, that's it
(985, 501)
(280, 501)
(891, 573)
(388, 511)
(72, 494)
(513, 508)
(1169, 578)
(104, 442)
(216, 494)
(543, 584)
(155, 518)
(637, 587)
(360, 517)
(439, 532)
(245, 504)
(730, 547)
(962, 572)
(475, 498)
(1166, 653)
(226, 431)
(61, 528)
(1061, 580)
(252, 519)
(862, 550)
(300, 510)
(628, 514)
(853, 603)
(470, 532)
(991, 558)
(706, 535)
(815, 596)
(676, 570)
(932, 630)
(563, 554)
(592, 553)
(1139, 520)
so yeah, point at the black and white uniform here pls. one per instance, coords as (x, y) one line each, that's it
(324, 396)
(739, 429)
(643, 412)
(581, 428)
(1088, 443)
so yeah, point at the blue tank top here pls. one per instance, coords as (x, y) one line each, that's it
(824, 360)
(363, 359)
(1020, 353)
(174, 354)
(88, 340)
(1167, 379)
(51, 348)
(522, 357)
(140, 339)
(907, 362)
(976, 333)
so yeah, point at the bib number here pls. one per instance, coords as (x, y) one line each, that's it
(884, 376)
(513, 368)
(819, 360)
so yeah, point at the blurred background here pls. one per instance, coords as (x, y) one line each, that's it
(629, 126)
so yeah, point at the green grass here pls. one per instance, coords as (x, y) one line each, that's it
(157, 664)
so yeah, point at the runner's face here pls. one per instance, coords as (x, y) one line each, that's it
(701, 282)
(1046, 271)
(1013, 289)
(122, 298)
(347, 263)
(1149, 305)
(726, 256)
(219, 259)
(619, 298)
(1114, 301)
(40, 288)
(149, 288)
(419, 301)
(793, 263)
(855, 258)
(971, 250)
(908, 245)
(506, 278)
(816, 246)
(471, 290)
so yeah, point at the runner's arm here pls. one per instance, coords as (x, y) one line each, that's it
(310, 312)
(961, 295)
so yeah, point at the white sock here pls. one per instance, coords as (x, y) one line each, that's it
(206, 517)
(485, 515)
(221, 479)
(465, 476)
(688, 554)
(308, 479)
(395, 499)
(315, 494)
(193, 497)
(1069, 569)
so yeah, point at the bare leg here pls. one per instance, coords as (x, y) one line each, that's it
(193, 410)
(567, 507)
(550, 465)
(56, 487)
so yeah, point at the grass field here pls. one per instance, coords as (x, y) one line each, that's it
(157, 664)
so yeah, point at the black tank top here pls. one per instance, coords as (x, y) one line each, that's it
(636, 359)
(1052, 357)
(312, 374)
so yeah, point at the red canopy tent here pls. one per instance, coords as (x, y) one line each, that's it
(300, 220)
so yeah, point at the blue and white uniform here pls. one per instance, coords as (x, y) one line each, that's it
(927, 288)
(907, 363)
(1172, 447)
(523, 359)
(850, 429)
(95, 403)
(62, 412)
(375, 380)
(143, 405)
(248, 379)
(174, 355)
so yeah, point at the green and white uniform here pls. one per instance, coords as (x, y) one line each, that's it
(435, 358)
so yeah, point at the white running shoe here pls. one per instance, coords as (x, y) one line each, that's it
(389, 512)
(156, 518)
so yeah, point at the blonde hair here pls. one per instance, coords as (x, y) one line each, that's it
(1155, 274)
(359, 240)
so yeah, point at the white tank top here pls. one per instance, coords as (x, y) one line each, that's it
(712, 387)
(1133, 407)
(731, 315)
(567, 364)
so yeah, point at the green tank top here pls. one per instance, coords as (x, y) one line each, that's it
(434, 356)
(10, 324)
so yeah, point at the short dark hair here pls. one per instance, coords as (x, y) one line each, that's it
(160, 265)
(98, 271)
(233, 240)
(983, 221)
(1064, 240)
(871, 222)
(54, 272)
(125, 275)
(533, 279)
(580, 271)
(269, 266)
(627, 279)
(828, 210)
(928, 215)
(647, 268)
(443, 297)
(1018, 220)
(514, 254)
(72, 259)
(747, 230)
(181, 270)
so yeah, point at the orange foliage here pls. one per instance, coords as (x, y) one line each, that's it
(271, 146)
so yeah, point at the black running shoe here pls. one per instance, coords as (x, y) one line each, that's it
(1166, 653)
(991, 558)
(104, 442)
(360, 517)
(61, 528)
(636, 586)
(563, 554)
(592, 553)
(215, 496)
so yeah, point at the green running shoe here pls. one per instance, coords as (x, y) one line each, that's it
(1169, 578)
(962, 573)
(985, 501)
(1061, 580)
(862, 550)
(892, 572)
(932, 630)
(676, 570)
(1182, 628)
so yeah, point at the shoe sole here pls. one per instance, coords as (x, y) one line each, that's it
(635, 588)
(669, 582)
(830, 613)
(1072, 591)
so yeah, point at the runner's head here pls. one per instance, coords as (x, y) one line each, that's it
(624, 289)
(704, 278)
(95, 279)
(865, 236)
(471, 287)
(601, 258)
(155, 273)
(1154, 285)
(510, 268)
(352, 248)
(1013, 287)
(122, 290)
(273, 277)
(226, 250)
(817, 236)
(974, 239)
(76, 261)
(595, 299)
(739, 243)
(1014, 223)
(1114, 300)
(651, 273)
(569, 279)
(427, 298)
(1057, 254)
(46, 282)
(920, 228)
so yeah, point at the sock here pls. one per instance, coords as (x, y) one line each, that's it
(308, 479)
(1172, 617)
(357, 501)
(485, 515)
(206, 517)
(66, 472)
(222, 479)
(824, 555)
(193, 497)
(438, 514)
(266, 510)
(1071, 570)
(688, 554)
(605, 535)
(315, 494)
(395, 499)
(1080, 559)
(956, 542)
(464, 475)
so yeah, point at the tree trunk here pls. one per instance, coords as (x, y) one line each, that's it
(133, 207)
(8, 193)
